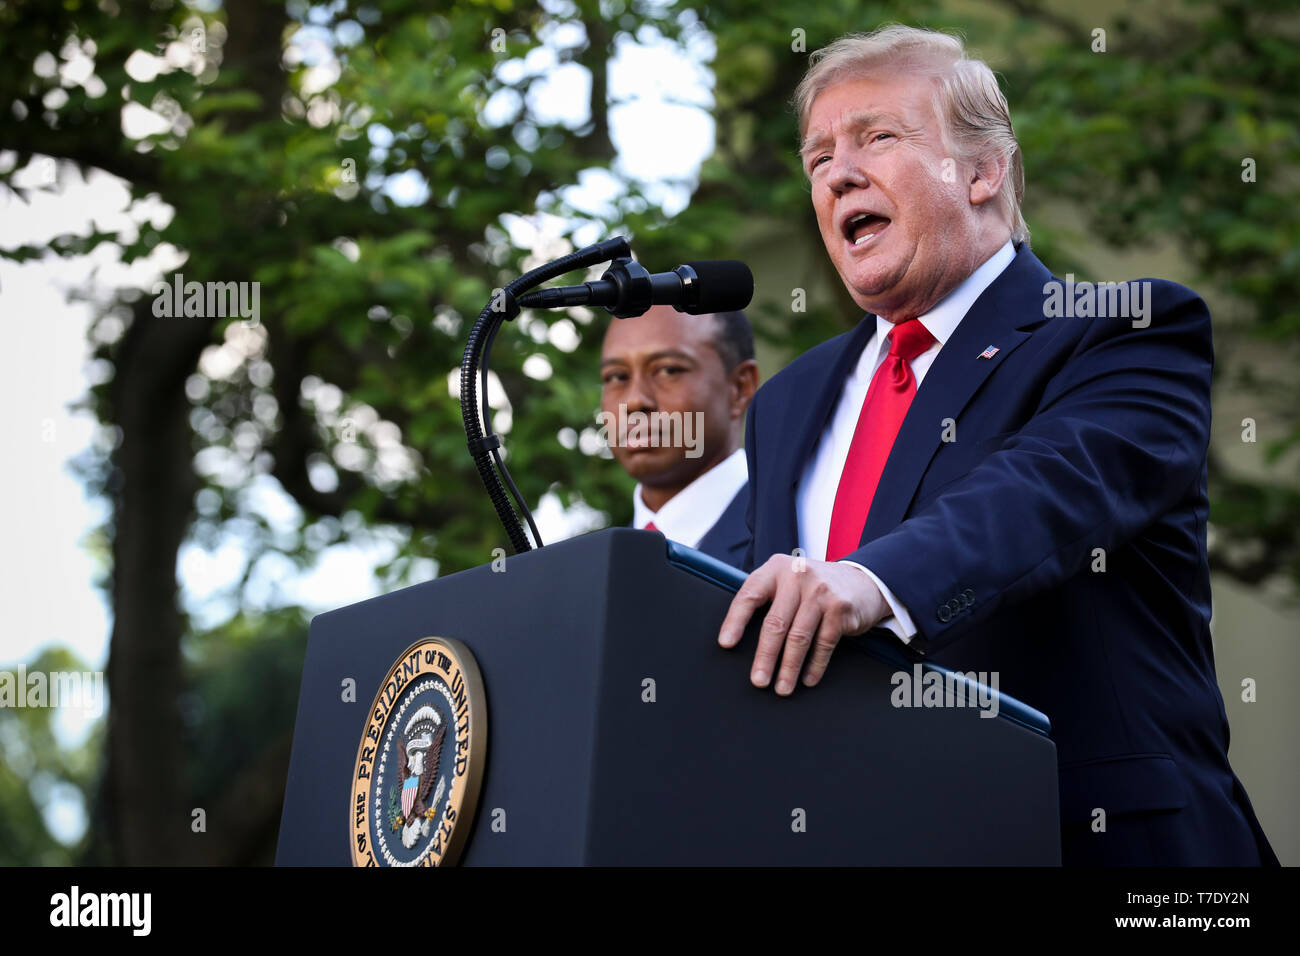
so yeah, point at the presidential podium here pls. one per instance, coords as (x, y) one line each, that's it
(618, 732)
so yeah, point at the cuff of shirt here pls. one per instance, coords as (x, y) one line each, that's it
(899, 621)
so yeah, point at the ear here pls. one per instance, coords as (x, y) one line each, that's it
(987, 178)
(744, 382)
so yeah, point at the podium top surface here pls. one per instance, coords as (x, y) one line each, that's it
(879, 643)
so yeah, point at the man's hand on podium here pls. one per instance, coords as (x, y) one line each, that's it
(814, 604)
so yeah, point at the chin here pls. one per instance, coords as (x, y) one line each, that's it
(875, 298)
(648, 466)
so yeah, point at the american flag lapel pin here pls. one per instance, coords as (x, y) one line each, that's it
(989, 352)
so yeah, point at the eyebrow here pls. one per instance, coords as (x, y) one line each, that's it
(653, 356)
(854, 121)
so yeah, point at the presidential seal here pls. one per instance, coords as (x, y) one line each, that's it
(420, 762)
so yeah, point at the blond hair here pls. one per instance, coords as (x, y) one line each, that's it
(977, 120)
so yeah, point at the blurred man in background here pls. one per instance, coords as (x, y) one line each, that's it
(680, 386)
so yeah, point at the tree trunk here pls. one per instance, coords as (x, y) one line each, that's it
(143, 819)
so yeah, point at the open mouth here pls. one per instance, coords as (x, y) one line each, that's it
(864, 227)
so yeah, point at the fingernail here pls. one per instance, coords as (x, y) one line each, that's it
(759, 678)
(724, 640)
(783, 687)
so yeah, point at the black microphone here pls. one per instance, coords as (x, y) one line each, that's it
(627, 289)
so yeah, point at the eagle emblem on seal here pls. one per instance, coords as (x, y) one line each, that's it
(419, 752)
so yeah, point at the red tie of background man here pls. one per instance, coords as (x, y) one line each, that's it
(883, 410)
(651, 526)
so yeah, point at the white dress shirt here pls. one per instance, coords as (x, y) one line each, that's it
(815, 496)
(687, 516)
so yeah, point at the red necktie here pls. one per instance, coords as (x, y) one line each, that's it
(651, 527)
(883, 410)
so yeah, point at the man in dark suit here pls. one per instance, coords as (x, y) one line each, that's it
(1002, 474)
(679, 385)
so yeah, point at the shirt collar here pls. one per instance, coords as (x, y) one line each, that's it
(942, 320)
(687, 516)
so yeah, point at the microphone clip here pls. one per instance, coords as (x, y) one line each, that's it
(635, 290)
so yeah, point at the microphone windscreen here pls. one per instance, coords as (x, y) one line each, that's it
(726, 285)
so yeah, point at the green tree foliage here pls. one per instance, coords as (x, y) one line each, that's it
(38, 771)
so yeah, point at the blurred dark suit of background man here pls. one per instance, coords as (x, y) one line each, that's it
(968, 454)
(691, 476)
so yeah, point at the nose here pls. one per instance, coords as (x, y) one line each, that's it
(640, 393)
(845, 172)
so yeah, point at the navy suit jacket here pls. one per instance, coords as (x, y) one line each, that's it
(728, 539)
(1078, 434)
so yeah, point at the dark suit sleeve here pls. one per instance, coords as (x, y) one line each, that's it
(751, 435)
(1119, 437)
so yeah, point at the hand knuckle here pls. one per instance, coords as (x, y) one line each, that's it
(798, 637)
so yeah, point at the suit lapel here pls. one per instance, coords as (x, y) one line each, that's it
(823, 386)
(1000, 317)
(814, 397)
